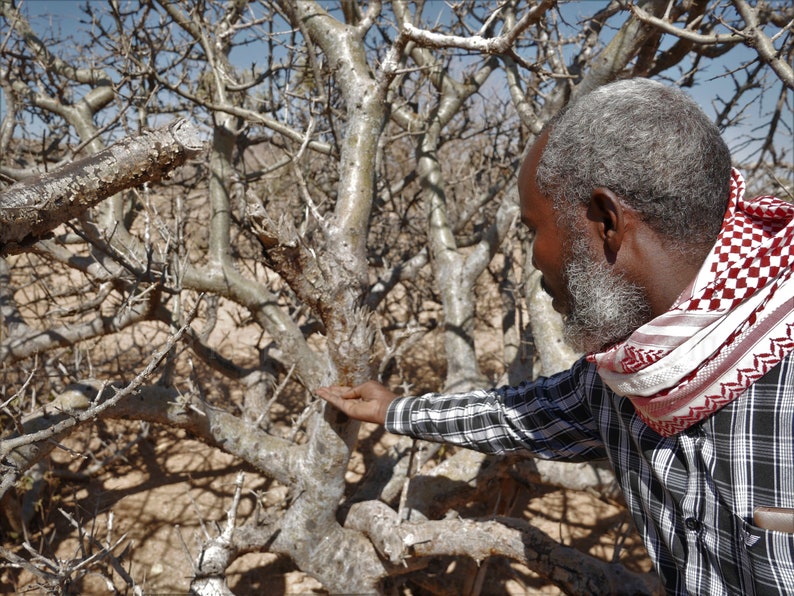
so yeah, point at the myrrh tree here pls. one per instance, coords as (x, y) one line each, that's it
(343, 208)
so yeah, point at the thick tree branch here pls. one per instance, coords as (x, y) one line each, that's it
(688, 33)
(756, 38)
(597, 478)
(547, 327)
(32, 208)
(571, 570)
(470, 476)
(620, 50)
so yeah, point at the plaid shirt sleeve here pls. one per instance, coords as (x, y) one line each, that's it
(550, 417)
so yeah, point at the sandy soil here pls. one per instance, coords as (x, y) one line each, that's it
(169, 490)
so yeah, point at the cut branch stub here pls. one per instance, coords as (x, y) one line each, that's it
(32, 208)
(287, 252)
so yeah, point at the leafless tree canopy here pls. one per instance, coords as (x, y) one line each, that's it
(352, 216)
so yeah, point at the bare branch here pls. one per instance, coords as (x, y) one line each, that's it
(217, 554)
(476, 43)
(689, 33)
(32, 208)
(18, 453)
(571, 570)
(757, 39)
(752, 35)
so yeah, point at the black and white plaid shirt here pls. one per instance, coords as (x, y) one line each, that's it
(691, 495)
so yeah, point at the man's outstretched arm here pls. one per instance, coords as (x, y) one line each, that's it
(550, 417)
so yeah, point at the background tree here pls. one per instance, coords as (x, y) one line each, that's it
(353, 218)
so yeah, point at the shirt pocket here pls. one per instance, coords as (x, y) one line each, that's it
(771, 557)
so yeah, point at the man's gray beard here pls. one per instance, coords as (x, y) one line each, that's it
(604, 308)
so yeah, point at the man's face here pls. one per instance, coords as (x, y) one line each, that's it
(549, 241)
(599, 306)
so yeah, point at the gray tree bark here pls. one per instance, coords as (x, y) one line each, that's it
(32, 208)
(318, 240)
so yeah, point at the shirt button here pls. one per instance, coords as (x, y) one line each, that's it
(692, 524)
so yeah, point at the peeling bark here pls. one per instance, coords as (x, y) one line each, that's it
(30, 209)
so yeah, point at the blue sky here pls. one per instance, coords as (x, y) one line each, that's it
(65, 15)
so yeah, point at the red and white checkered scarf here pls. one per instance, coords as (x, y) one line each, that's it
(733, 324)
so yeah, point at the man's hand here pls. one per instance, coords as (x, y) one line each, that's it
(367, 402)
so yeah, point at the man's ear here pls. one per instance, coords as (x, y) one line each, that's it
(607, 218)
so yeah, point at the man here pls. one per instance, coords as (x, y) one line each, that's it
(681, 292)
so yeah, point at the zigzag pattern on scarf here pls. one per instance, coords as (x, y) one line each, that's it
(729, 390)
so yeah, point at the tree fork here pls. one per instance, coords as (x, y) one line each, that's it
(32, 208)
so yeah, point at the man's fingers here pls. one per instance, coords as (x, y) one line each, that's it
(329, 394)
(335, 393)
(339, 397)
(351, 408)
(364, 402)
(348, 393)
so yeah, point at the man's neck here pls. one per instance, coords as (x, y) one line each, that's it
(672, 271)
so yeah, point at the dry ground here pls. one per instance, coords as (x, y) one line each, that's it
(169, 489)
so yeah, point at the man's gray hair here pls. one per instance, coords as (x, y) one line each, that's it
(650, 144)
